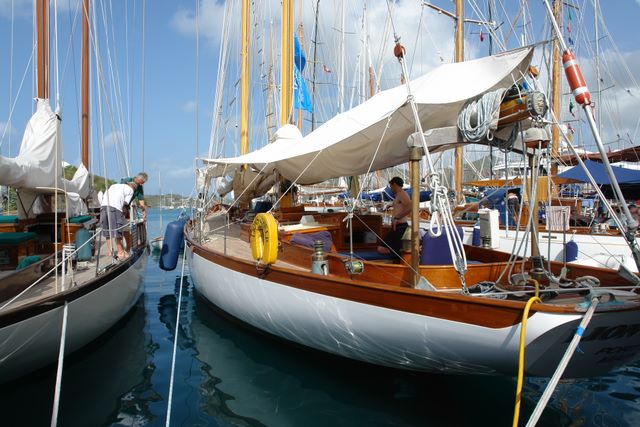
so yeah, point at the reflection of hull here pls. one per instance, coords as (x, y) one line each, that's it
(30, 335)
(599, 250)
(409, 329)
(97, 381)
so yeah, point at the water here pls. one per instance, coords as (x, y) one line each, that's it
(227, 375)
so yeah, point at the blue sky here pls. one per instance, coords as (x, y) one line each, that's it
(177, 102)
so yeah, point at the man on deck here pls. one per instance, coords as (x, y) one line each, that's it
(138, 193)
(111, 216)
(401, 206)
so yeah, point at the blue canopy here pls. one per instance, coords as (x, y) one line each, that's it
(599, 173)
(387, 195)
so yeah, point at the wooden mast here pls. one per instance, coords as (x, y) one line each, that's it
(286, 79)
(244, 80)
(286, 61)
(42, 42)
(555, 90)
(459, 57)
(85, 83)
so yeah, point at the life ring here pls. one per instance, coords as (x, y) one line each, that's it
(264, 238)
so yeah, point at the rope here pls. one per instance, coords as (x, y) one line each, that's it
(523, 332)
(542, 403)
(474, 121)
(175, 342)
(58, 389)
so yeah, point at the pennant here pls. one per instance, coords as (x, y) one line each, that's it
(569, 27)
(481, 36)
(570, 40)
(571, 106)
(570, 128)
(301, 98)
(326, 69)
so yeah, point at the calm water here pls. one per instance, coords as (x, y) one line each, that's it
(227, 375)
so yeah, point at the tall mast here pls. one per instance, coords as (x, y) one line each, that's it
(286, 61)
(555, 89)
(596, 17)
(42, 41)
(85, 83)
(315, 59)
(459, 57)
(301, 41)
(244, 80)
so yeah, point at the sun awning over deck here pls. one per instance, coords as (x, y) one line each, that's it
(373, 135)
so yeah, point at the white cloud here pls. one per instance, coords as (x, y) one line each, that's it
(208, 20)
(113, 139)
(6, 129)
(179, 173)
(21, 8)
(189, 106)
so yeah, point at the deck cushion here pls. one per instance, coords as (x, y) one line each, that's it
(15, 238)
(372, 255)
(8, 219)
(79, 219)
(307, 239)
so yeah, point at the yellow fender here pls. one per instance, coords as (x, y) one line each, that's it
(264, 238)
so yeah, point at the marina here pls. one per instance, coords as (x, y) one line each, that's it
(228, 375)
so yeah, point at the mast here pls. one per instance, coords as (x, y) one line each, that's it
(85, 83)
(596, 17)
(459, 57)
(315, 59)
(244, 80)
(42, 42)
(286, 61)
(555, 89)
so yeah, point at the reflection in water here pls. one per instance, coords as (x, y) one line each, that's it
(96, 381)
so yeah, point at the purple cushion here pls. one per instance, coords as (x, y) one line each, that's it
(307, 239)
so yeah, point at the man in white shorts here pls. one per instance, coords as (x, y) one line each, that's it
(112, 218)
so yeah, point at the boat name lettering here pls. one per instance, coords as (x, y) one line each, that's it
(610, 332)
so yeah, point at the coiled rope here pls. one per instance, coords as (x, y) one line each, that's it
(474, 121)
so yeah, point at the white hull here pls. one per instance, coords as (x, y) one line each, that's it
(595, 250)
(399, 339)
(34, 342)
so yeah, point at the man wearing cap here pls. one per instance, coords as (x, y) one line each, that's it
(401, 206)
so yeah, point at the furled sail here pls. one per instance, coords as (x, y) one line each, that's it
(373, 135)
(35, 165)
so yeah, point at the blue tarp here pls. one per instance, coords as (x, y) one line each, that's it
(387, 194)
(599, 173)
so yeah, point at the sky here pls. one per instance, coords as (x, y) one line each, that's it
(158, 68)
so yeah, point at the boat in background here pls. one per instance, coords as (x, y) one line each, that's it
(60, 288)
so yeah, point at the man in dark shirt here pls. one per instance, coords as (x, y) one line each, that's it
(138, 193)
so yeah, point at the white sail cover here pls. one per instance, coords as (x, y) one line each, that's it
(373, 135)
(35, 165)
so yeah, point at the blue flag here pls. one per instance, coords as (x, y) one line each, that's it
(301, 98)
(298, 55)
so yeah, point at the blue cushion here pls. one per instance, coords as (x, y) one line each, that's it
(308, 239)
(370, 255)
(435, 250)
(8, 219)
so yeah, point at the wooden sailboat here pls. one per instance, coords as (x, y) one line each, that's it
(58, 303)
(276, 277)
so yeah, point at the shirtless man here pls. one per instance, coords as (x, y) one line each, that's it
(401, 209)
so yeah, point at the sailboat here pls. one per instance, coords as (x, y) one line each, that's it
(59, 291)
(442, 307)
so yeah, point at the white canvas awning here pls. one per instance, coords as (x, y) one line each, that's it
(373, 135)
